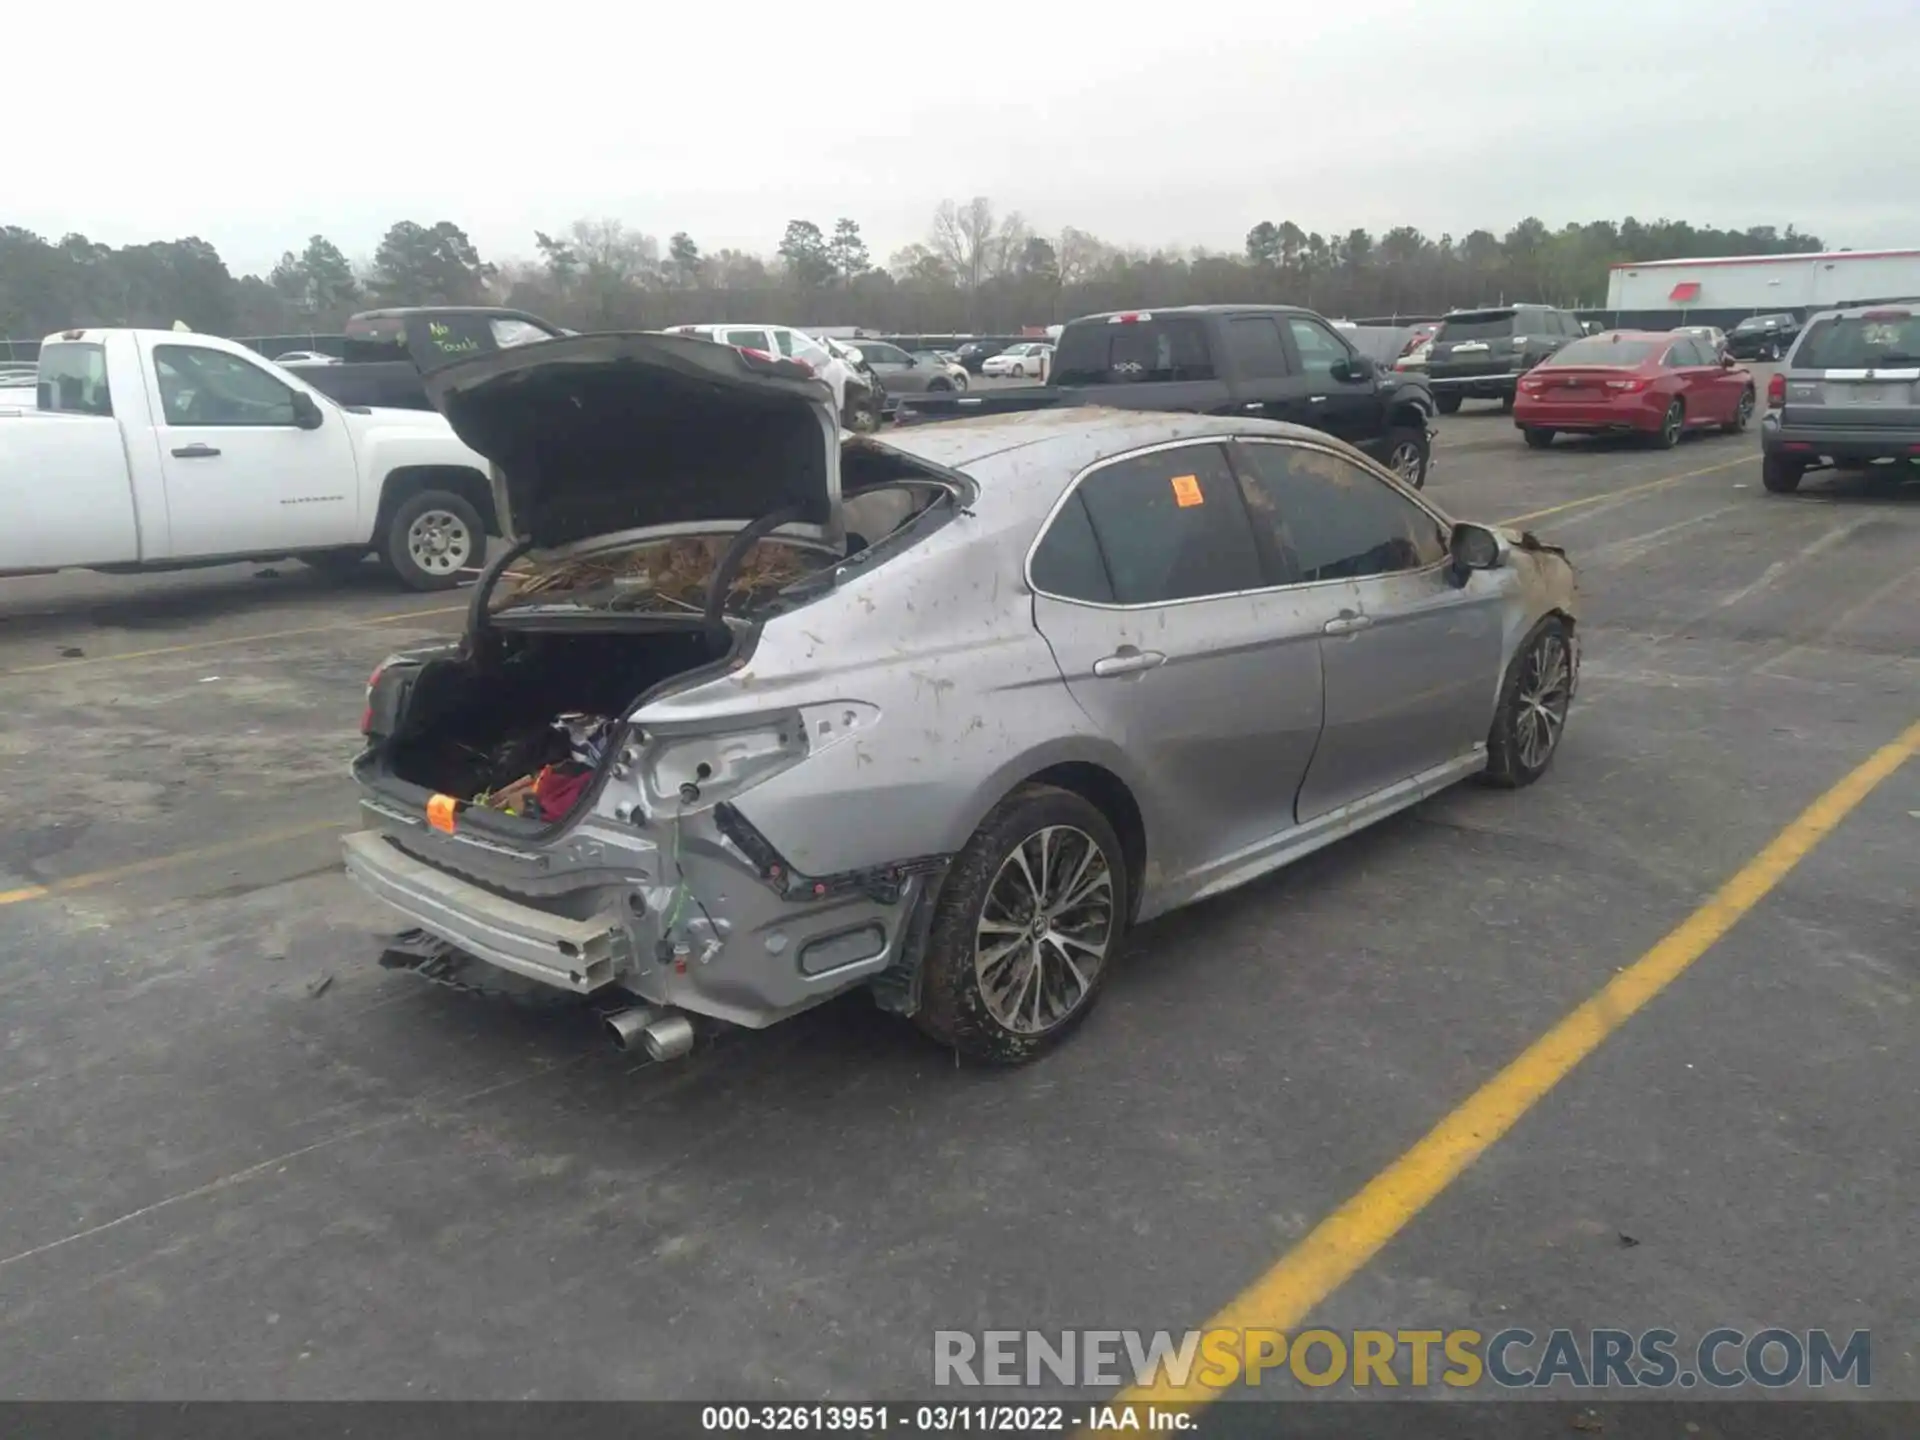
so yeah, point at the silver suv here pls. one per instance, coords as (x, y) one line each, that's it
(1848, 396)
(748, 716)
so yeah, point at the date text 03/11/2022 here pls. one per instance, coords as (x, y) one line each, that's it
(912, 1419)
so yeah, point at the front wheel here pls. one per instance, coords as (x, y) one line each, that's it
(1025, 928)
(1449, 404)
(1532, 711)
(433, 537)
(1408, 454)
(1742, 415)
(1537, 438)
(1780, 476)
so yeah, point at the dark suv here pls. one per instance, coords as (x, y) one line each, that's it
(1848, 396)
(1481, 354)
(1762, 337)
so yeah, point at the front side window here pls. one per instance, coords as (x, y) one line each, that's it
(73, 379)
(749, 340)
(1320, 349)
(211, 387)
(883, 354)
(1171, 525)
(1332, 520)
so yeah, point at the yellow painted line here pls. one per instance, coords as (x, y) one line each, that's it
(225, 640)
(1351, 1236)
(91, 878)
(1659, 484)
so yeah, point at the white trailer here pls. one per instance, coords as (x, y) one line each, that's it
(1756, 283)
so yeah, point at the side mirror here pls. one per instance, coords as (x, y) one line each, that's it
(1726, 361)
(1355, 367)
(913, 362)
(1475, 547)
(306, 414)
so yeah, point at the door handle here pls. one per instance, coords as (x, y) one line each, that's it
(1316, 399)
(1346, 623)
(195, 452)
(1128, 662)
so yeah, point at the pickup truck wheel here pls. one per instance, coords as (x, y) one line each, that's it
(432, 537)
(1025, 929)
(1408, 452)
(1781, 477)
(1449, 404)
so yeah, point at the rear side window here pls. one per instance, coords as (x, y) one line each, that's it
(1172, 526)
(1476, 325)
(1331, 520)
(747, 340)
(1102, 352)
(1067, 562)
(1859, 342)
(1258, 352)
(73, 379)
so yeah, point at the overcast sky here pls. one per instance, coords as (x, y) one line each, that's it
(255, 126)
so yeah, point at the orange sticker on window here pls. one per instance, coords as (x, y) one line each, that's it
(1186, 491)
(440, 812)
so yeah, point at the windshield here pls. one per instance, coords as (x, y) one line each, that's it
(1481, 325)
(1106, 352)
(1859, 343)
(1606, 350)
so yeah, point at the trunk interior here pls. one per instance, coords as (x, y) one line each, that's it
(524, 733)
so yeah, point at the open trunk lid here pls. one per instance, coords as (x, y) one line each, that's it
(592, 435)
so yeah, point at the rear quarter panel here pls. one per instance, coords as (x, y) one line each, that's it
(941, 641)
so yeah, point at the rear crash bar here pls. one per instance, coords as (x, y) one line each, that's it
(576, 955)
(882, 884)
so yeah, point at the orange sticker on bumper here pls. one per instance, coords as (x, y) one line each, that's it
(440, 812)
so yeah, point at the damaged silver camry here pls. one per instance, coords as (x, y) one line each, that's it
(752, 713)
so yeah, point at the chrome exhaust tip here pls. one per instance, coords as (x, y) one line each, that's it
(668, 1038)
(628, 1027)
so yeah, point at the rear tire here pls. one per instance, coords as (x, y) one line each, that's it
(431, 539)
(1672, 425)
(1408, 453)
(1532, 711)
(1536, 437)
(973, 981)
(1781, 477)
(1448, 404)
(1742, 414)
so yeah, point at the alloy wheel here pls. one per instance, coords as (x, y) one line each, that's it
(1044, 930)
(1545, 691)
(1405, 462)
(1670, 426)
(1743, 412)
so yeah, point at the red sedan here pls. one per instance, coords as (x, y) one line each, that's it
(1648, 382)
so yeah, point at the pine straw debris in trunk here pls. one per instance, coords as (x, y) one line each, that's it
(666, 575)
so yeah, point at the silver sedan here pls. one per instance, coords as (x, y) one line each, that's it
(993, 691)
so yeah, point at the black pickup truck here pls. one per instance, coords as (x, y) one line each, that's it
(387, 351)
(1277, 362)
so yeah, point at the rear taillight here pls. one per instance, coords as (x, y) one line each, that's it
(366, 715)
(1130, 317)
(1533, 387)
(1776, 391)
(1629, 385)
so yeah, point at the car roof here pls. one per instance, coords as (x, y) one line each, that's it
(1861, 312)
(1156, 311)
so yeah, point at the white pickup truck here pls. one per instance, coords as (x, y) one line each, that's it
(159, 450)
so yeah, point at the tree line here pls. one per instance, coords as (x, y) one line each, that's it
(977, 270)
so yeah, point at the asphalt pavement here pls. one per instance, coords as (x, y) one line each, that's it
(239, 1160)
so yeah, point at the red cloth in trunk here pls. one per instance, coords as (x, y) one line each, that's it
(558, 791)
